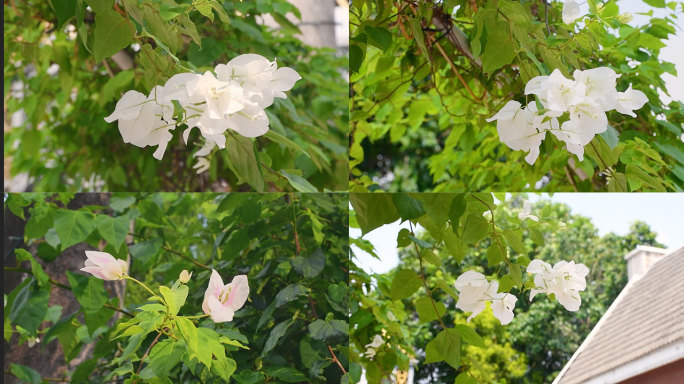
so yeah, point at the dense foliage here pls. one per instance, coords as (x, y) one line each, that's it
(292, 247)
(68, 62)
(426, 75)
(542, 336)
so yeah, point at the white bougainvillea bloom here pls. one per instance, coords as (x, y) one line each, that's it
(565, 280)
(372, 348)
(571, 11)
(474, 293)
(599, 87)
(630, 100)
(104, 266)
(221, 301)
(234, 97)
(517, 129)
(260, 78)
(585, 100)
(525, 214)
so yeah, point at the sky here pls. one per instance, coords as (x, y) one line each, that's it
(610, 212)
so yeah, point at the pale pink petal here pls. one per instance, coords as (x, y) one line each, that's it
(95, 271)
(218, 312)
(239, 290)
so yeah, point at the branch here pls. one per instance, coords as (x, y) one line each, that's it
(58, 284)
(147, 353)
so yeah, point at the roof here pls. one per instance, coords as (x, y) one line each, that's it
(645, 320)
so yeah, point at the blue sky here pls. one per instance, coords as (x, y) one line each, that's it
(610, 212)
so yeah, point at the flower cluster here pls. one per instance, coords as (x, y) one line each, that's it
(233, 97)
(565, 280)
(372, 348)
(586, 99)
(475, 291)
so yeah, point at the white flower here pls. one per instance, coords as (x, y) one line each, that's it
(630, 100)
(565, 280)
(373, 346)
(202, 165)
(571, 11)
(475, 291)
(176, 88)
(221, 97)
(518, 129)
(525, 214)
(260, 78)
(563, 92)
(599, 86)
(234, 98)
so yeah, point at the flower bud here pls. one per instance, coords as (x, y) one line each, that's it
(185, 276)
(625, 17)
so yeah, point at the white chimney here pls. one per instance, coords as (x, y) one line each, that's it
(641, 259)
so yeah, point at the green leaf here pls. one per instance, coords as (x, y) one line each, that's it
(30, 307)
(112, 33)
(144, 253)
(380, 37)
(454, 245)
(356, 54)
(276, 333)
(299, 183)
(469, 335)
(611, 136)
(163, 357)
(446, 346)
(73, 226)
(25, 374)
(113, 230)
(465, 378)
(638, 179)
(36, 269)
(39, 222)
(290, 293)
(476, 227)
(175, 298)
(286, 374)
(426, 312)
(64, 10)
(514, 238)
(500, 48)
(83, 371)
(120, 203)
(89, 291)
(436, 205)
(329, 331)
(373, 210)
(310, 266)
(114, 86)
(408, 207)
(189, 333)
(655, 3)
(457, 208)
(404, 284)
(244, 162)
(495, 254)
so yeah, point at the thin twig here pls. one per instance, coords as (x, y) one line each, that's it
(142, 359)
